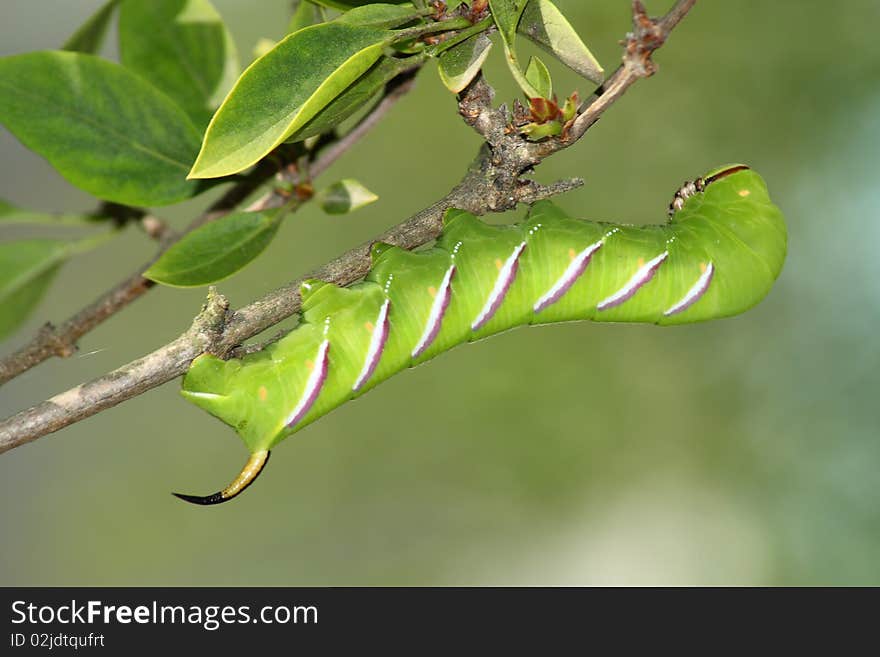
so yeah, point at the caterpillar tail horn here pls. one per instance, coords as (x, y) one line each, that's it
(245, 478)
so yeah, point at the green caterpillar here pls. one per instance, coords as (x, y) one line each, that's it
(718, 255)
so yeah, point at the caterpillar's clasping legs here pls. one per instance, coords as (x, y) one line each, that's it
(245, 478)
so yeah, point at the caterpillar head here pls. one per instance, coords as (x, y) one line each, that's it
(693, 187)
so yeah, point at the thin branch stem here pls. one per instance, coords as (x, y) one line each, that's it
(157, 229)
(463, 35)
(494, 182)
(647, 36)
(455, 23)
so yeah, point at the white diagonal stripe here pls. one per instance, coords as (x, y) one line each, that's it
(644, 274)
(377, 342)
(313, 385)
(436, 314)
(571, 273)
(502, 283)
(697, 290)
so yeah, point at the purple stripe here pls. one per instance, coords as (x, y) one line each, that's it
(502, 292)
(438, 321)
(569, 277)
(374, 360)
(313, 386)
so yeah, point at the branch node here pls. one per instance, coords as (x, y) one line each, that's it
(157, 229)
(209, 324)
(647, 36)
(52, 338)
(475, 107)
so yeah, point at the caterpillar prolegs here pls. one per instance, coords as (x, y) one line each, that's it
(717, 255)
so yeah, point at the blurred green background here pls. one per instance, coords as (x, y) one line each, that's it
(743, 451)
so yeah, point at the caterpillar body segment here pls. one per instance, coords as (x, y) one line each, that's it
(717, 255)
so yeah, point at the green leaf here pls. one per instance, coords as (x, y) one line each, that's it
(89, 37)
(10, 214)
(345, 5)
(380, 15)
(306, 13)
(27, 267)
(539, 131)
(460, 64)
(262, 46)
(283, 90)
(216, 250)
(570, 108)
(507, 16)
(183, 48)
(354, 98)
(101, 126)
(345, 196)
(539, 77)
(543, 23)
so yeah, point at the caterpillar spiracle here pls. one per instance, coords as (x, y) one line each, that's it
(717, 255)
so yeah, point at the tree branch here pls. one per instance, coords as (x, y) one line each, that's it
(494, 182)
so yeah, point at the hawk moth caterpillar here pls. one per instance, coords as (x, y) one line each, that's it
(718, 255)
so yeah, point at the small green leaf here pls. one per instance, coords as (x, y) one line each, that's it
(305, 13)
(89, 37)
(10, 214)
(345, 196)
(216, 250)
(354, 98)
(516, 71)
(539, 131)
(543, 23)
(460, 64)
(380, 15)
(183, 48)
(507, 16)
(27, 267)
(345, 5)
(539, 77)
(570, 108)
(102, 127)
(283, 90)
